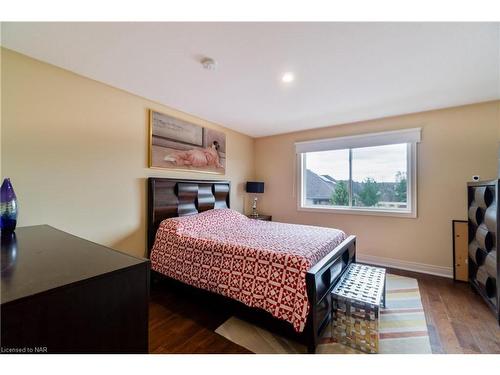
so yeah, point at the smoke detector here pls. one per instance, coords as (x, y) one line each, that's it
(209, 64)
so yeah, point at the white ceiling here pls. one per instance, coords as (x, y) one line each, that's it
(345, 72)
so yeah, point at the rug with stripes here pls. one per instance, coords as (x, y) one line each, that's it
(403, 329)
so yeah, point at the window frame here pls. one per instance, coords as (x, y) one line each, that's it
(411, 212)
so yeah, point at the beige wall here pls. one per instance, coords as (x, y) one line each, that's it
(456, 144)
(76, 151)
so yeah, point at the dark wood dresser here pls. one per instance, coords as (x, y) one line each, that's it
(63, 294)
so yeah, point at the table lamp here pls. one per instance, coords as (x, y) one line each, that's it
(255, 187)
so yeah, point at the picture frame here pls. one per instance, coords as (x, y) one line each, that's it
(178, 144)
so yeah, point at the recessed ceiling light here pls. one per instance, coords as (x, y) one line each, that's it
(288, 77)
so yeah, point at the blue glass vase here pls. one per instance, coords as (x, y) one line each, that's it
(8, 207)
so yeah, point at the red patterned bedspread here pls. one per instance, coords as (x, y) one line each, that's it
(260, 263)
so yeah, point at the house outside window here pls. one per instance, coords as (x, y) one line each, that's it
(373, 174)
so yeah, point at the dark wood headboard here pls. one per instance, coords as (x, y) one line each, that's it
(169, 197)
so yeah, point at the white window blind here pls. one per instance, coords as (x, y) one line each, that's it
(357, 141)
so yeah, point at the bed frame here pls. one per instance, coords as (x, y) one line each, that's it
(175, 197)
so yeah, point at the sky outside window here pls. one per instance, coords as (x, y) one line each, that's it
(382, 163)
(333, 163)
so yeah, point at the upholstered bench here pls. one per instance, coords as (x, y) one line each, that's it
(356, 302)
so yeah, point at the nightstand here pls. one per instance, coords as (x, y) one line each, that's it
(261, 217)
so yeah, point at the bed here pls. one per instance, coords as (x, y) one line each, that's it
(285, 270)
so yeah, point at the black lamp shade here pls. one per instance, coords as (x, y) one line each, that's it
(255, 187)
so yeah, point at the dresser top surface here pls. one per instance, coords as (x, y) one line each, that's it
(41, 258)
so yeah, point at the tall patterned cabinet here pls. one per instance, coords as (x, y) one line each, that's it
(484, 230)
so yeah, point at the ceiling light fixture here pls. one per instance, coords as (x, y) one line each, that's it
(288, 77)
(208, 63)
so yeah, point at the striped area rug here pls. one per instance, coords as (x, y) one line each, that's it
(403, 329)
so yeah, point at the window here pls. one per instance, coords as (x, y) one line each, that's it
(369, 174)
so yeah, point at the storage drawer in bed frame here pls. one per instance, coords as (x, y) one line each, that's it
(322, 278)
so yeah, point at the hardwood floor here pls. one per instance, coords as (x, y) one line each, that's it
(458, 320)
(183, 320)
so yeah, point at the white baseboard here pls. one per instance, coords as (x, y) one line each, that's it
(405, 265)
